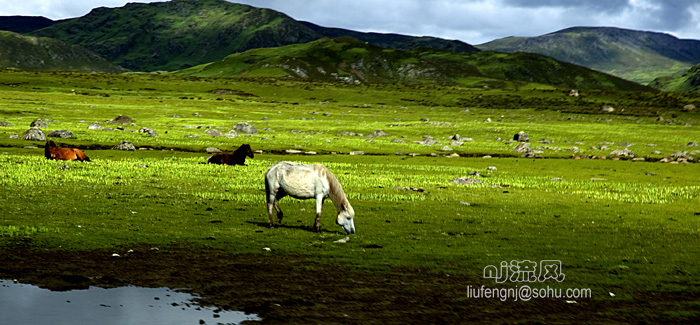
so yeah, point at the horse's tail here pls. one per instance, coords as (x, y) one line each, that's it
(81, 155)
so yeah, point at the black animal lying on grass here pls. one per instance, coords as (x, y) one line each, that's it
(235, 158)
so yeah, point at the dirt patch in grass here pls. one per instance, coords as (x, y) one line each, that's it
(294, 289)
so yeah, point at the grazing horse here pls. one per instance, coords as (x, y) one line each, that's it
(235, 158)
(53, 152)
(307, 182)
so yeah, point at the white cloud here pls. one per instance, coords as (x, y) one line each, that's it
(472, 21)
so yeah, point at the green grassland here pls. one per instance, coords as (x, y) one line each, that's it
(619, 226)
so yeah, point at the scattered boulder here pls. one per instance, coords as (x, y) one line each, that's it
(397, 141)
(427, 141)
(521, 136)
(573, 93)
(607, 109)
(40, 123)
(149, 132)
(213, 150)
(34, 134)
(446, 148)
(525, 150)
(456, 137)
(523, 147)
(689, 107)
(357, 153)
(622, 153)
(681, 155)
(692, 144)
(95, 126)
(61, 134)
(378, 133)
(3, 123)
(125, 145)
(232, 134)
(121, 119)
(246, 128)
(467, 181)
(409, 188)
(214, 133)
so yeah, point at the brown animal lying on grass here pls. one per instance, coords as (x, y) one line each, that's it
(52, 152)
(235, 158)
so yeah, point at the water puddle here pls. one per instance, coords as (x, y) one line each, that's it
(28, 304)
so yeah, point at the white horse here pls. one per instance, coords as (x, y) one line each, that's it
(307, 182)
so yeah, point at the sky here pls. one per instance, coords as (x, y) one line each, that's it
(471, 21)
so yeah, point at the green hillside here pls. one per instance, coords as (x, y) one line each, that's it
(633, 55)
(688, 81)
(182, 33)
(39, 53)
(349, 60)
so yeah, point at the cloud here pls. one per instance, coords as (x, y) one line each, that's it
(472, 21)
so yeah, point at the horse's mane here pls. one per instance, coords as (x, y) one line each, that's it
(335, 191)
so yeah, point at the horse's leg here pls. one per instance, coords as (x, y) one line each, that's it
(319, 204)
(271, 202)
(279, 211)
(278, 197)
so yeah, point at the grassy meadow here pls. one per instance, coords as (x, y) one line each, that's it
(618, 226)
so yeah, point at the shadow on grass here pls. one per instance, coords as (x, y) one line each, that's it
(287, 226)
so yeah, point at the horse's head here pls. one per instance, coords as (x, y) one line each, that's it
(248, 150)
(345, 218)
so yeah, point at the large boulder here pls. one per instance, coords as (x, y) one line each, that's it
(214, 133)
(61, 134)
(121, 119)
(149, 132)
(34, 134)
(95, 126)
(3, 123)
(521, 137)
(125, 145)
(40, 123)
(244, 127)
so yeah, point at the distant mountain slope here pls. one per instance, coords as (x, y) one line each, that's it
(634, 55)
(395, 41)
(181, 33)
(38, 53)
(24, 24)
(349, 60)
(687, 82)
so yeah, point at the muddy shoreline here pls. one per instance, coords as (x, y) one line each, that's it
(294, 289)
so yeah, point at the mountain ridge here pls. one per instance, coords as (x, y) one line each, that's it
(634, 55)
(180, 33)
